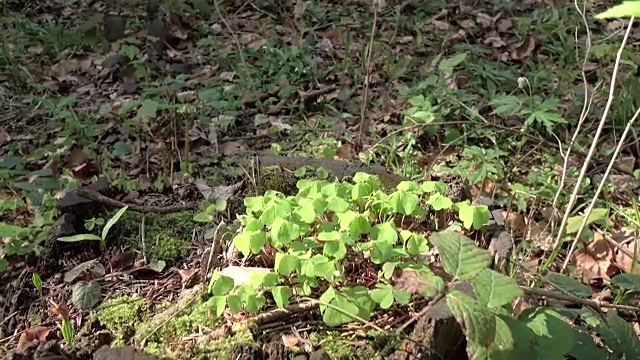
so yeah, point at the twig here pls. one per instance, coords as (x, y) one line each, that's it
(577, 300)
(367, 74)
(420, 314)
(91, 194)
(143, 243)
(276, 314)
(587, 213)
(578, 185)
(233, 35)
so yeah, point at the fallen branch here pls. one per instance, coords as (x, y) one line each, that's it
(91, 194)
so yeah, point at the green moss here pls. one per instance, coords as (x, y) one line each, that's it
(119, 315)
(337, 348)
(167, 236)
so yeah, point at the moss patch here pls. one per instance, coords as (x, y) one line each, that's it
(167, 236)
(339, 349)
(119, 315)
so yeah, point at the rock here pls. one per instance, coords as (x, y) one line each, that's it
(123, 353)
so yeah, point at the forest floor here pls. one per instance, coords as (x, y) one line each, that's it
(169, 104)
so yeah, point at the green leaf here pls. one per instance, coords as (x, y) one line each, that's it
(203, 217)
(284, 231)
(285, 264)
(619, 336)
(67, 331)
(114, 219)
(9, 231)
(439, 202)
(403, 202)
(461, 258)
(585, 349)
(219, 303)
(625, 10)
(569, 284)
(478, 322)
(494, 289)
(235, 303)
(86, 294)
(549, 326)
(222, 285)
(627, 281)
(148, 109)
(383, 295)
(80, 237)
(250, 242)
(337, 204)
(306, 211)
(473, 216)
(281, 295)
(417, 244)
(336, 250)
(598, 216)
(385, 232)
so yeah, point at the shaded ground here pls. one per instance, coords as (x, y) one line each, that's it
(160, 99)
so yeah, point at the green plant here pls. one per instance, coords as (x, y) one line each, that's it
(537, 112)
(105, 231)
(313, 232)
(37, 283)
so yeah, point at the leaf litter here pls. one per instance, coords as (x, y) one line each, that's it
(108, 81)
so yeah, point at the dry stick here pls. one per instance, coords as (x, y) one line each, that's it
(577, 300)
(583, 171)
(583, 224)
(621, 248)
(583, 113)
(96, 196)
(587, 213)
(367, 70)
(233, 35)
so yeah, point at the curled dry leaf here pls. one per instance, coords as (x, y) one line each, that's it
(596, 261)
(441, 25)
(38, 333)
(624, 261)
(4, 136)
(524, 50)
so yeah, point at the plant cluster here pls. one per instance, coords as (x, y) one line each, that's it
(327, 225)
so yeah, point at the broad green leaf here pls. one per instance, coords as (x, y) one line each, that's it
(306, 211)
(461, 258)
(620, 337)
(569, 284)
(473, 216)
(336, 250)
(281, 295)
(416, 244)
(9, 231)
(337, 204)
(235, 303)
(403, 202)
(494, 289)
(427, 283)
(330, 236)
(383, 295)
(114, 219)
(203, 217)
(625, 10)
(250, 242)
(478, 322)
(284, 231)
(86, 294)
(385, 232)
(549, 326)
(219, 303)
(585, 349)
(222, 285)
(148, 109)
(627, 281)
(80, 237)
(285, 264)
(598, 216)
(439, 202)
(381, 251)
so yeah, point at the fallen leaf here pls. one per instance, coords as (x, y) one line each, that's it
(38, 333)
(122, 261)
(345, 152)
(524, 50)
(624, 261)
(595, 261)
(4, 136)
(87, 270)
(504, 25)
(233, 148)
(466, 24)
(441, 25)
(539, 234)
(188, 277)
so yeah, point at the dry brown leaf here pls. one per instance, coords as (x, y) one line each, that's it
(538, 233)
(520, 304)
(4, 136)
(232, 148)
(525, 50)
(514, 222)
(466, 24)
(504, 25)
(595, 262)
(345, 152)
(188, 277)
(38, 333)
(494, 40)
(441, 25)
(624, 261)
(290, 341)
